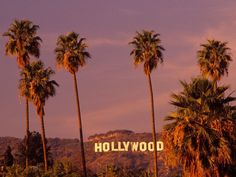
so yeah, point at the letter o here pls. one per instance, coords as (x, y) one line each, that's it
(106, 147)
(143, 146)
(150, 146)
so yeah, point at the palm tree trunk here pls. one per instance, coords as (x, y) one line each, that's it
(27, 137)
(153, 127)
(80, 128)
(43, 137)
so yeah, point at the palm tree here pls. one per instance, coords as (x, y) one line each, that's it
(71, 54)
(201, 127)
(147, 50)
(213, 59)
(36, 82)
(23, 42)
(26, 76)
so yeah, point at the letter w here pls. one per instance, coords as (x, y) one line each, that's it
(134, 146)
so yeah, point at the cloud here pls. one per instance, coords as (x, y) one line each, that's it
(175, 70)
(113, 116)
(130, 12)
(127, 109)
(108, 41)
(222, 32)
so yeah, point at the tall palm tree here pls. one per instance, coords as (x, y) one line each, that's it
(199, 128)
(213, 59)
(71, 54)
(36, 82)
(148, 50)
(23, 42)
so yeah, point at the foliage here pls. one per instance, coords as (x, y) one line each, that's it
(116, 171)
(14, 171)
(35, 82)
(64, 168)
(213, 59)
(201, 128)
(71, 52)
(22, 41)
(36, 171)
(35, 151)
(8, 157)
(147, 50)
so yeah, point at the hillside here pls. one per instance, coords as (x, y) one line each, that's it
(69, 149)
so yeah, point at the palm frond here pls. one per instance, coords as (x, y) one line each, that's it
(71, 52)
(22, 41)
(200, 130)
(147, 49)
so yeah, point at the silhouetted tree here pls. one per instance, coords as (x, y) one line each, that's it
(35, 150)
(8, 157)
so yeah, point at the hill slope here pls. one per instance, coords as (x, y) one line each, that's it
(69, 149)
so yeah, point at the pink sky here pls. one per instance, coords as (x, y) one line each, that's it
(113, 94)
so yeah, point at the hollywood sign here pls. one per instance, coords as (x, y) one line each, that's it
(127, 146)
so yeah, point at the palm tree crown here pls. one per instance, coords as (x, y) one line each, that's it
(200, 127)
(147, 50)
(36, 84)
(23, 41)
(42, 87)
(71, 52)
(214, 58)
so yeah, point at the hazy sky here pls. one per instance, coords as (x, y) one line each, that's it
(113, 94)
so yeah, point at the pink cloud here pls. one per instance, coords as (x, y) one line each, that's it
(130, 12)
(122, 41)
